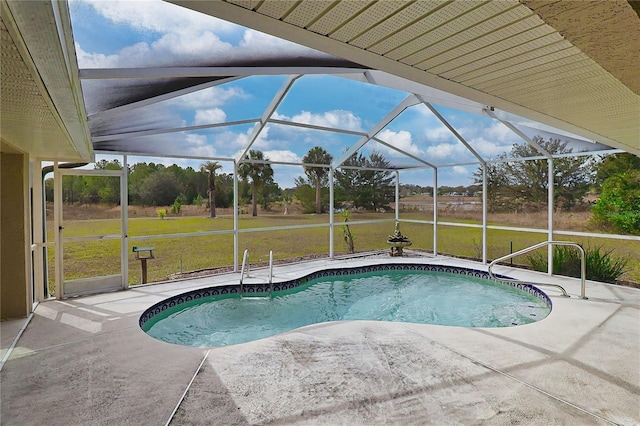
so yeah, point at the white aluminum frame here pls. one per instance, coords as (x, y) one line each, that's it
(58, 174)
(331, 223)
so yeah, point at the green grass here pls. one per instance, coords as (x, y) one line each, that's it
(182, 254)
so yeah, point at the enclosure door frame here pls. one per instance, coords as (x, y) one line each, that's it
(92, 284)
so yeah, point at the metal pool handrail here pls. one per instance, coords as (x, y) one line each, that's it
(270, 271)
(244, 262)
(583, 267)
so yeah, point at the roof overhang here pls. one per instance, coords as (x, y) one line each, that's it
(42, 107)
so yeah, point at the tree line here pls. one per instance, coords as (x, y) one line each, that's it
(368, 183)
(154, 184)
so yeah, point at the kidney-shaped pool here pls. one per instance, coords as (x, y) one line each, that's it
(424, 294)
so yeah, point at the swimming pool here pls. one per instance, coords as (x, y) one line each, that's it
(421, 293)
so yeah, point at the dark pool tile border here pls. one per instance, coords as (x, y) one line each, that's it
(234, 289)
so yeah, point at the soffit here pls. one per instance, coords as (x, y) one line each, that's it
(502, 54)
(605, 31)
(39, 115)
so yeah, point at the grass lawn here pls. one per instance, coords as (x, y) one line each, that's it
(182, 254)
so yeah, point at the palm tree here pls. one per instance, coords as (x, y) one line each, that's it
(258, 172)
(317, 155)
(210, 167)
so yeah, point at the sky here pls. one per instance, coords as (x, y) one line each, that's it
(113, 34)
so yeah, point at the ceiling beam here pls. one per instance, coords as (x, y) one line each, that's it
(154, 132)
(316, 127)
(160, 98)
(183, 72)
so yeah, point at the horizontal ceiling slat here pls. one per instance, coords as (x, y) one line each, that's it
(460, 24)
(487, 29)
(540, 78)
(501, 57)
(396, 23)
(504, 40)
(308, 11)
(604, 118)
(590, 94)
(531, 74)
(433, 20)
(338, 15)
(519, 63)
(356, 26)
(276, 9)
(247, 4)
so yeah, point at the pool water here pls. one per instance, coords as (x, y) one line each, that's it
(400, 296)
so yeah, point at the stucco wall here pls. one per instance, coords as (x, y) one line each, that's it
(14, 227)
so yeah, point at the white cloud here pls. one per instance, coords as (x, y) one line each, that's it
(460, 170)
(209, 116)
(160, 16)
(183, 36)
(401, 140)
(208, 98)
(438, 133)
(230, 143)
(283, 155)
(198, 145)
(488, 149)
(95, 60)
(176, 41)
(448, 153)
(252, 38)
(191, 45)
(499, 132)
(168, 50)
(233, 144)
(339, 119)
(487, 141)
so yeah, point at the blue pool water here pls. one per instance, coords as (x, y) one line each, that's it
(401, 296)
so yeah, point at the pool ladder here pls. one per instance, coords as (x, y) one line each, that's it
(245, 267)
(535, 247)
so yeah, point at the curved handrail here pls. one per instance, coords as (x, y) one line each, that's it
(244, 262)
(537, 246)
(270, 271)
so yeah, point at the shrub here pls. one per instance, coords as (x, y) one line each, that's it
(346, 232)
(601, 265)
(161, 213)
(619, 203)
(176, 207)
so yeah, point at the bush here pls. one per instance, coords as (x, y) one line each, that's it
(161, 213)
(176, 207)
(619, 203)
(346, 232)
(601, 266)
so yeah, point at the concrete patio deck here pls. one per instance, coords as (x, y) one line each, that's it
(85, 361)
